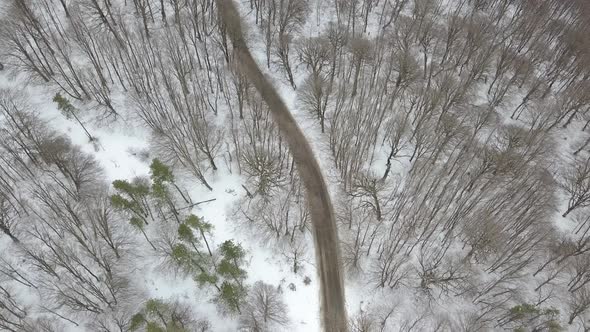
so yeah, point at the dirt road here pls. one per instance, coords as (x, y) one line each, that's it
(333, 310)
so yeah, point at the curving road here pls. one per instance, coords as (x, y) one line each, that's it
(333, 309)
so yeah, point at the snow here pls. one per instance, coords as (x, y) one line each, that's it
(359, 293)
(120, 148)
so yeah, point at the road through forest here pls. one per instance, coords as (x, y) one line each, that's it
(333, 310)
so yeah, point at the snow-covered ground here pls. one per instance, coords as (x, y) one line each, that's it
(122, 149)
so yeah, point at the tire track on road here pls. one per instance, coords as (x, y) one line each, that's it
(333, 310)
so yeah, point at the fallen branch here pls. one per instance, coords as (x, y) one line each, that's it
(197, 203)
(247, 192)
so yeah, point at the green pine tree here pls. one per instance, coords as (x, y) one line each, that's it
(194, 258)
(233, 258)
(233, 292)
(160, 172)
(202, 227)
(525, 315)
(137, 321)
(158, 316)
(69, 111)
(162, 179)
(132, 197)
(232, 296)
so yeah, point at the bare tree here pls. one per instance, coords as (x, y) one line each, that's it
(8, 219)
(397, 140)
(12, 313)
(579, 302)
(361, 50)
(264, 309)
(312, 96)
(78, 168)
(576, 184)
(363, 321)
(314, 53)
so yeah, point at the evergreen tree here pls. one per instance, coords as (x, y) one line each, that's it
(195, 261)
(159, 316)
(139, 197)
(69, 111)
(146, 199)
(162, 177)
(232, 296)
(133, 198)
(233, 258)
(192, 261)
(202, 226)
(160, 173)
(233, 292)
(528, 316)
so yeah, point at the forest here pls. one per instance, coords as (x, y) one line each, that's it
(148, 184)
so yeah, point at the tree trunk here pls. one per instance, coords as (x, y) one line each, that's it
(7, 231)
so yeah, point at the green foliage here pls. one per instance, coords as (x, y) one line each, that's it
(159, 316)
(229, 269)
(554, 326)
(232, 296)
(232, 292)
(118, 202)
(134, 193)
(188, 260)
(134, 197)
(551, 312)
(64, 105)
(205, 278)
(230, 264)
(526, 314)
(160, 172)
(136, 222)
(189, 255)
(153, 327)
(122, 185)
(520, 311)
(161, 175)
(182, 255)
(231, 251)
(135, 189)
(192, 222)
(185, 233)
(130, 197)
(160, 191)
(136, 321)
(198, 223)
(141, 197)
(153, 306)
